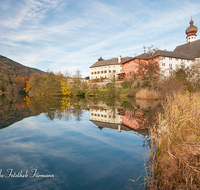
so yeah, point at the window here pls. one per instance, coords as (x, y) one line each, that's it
(163, 64)
(176, 59)
(170, 65)
(114, 71)
(101, 71)
(170, 58)
(92, 73)
(105, 71)
(98, 72)
(95, 72)
(109, 71)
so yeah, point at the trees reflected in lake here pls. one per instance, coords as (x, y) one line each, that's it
(130, 114)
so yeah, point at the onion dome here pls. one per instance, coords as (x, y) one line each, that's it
(191, 30)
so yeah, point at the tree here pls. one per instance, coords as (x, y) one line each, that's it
(35, 83)
(65, 89)
(27, 88)
(148, 68)
(77, 78)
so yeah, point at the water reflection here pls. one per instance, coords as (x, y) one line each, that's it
(126, 115)
(64, 140)
(136, 115)
(13, 109)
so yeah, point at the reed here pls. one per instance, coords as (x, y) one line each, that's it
(175, 148)
(147, 94)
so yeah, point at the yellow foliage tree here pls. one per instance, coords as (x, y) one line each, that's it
(27, 100)
(65, 89)
(27, 88)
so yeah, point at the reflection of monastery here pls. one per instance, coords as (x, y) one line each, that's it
(125, 68)
(119, 119)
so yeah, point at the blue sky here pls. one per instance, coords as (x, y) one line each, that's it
(69, 34)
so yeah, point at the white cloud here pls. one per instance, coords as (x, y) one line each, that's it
(56, 35)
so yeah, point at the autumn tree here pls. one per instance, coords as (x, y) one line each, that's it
(77, 78)
(77, 85)
(65, 89)
(27, 87)
(148, 68)
(35, 84)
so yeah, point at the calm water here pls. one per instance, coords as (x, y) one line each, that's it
(75, 144)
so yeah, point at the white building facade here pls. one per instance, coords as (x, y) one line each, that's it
(107, 68)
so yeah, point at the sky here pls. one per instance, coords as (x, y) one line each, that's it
(66, 35)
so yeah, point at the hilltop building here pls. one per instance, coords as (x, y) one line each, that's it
(126, 68)
(186, 54)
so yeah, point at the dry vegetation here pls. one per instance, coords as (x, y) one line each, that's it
(175, 151)
(147, 94)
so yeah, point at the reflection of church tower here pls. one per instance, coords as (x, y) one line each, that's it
(191, 32)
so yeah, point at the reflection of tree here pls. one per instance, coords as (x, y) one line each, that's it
(12, 109)
(50, 115)
(77, 113)
(58, 107)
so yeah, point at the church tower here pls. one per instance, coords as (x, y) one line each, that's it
(191, 32)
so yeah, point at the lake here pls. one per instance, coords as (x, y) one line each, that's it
(63, 143)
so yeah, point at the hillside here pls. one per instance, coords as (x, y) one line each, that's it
(9, 66)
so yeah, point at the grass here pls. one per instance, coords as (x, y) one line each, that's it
(175, 150)
(125, 90)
